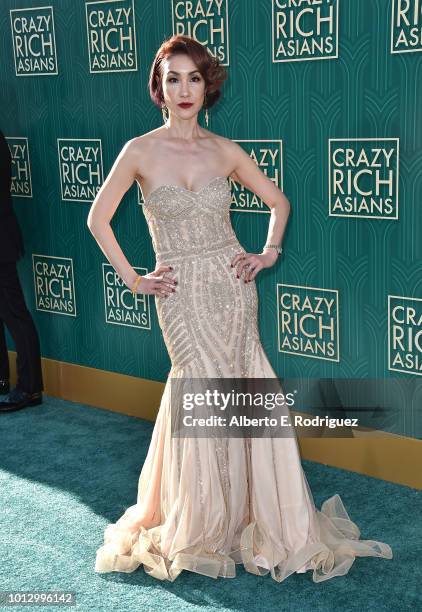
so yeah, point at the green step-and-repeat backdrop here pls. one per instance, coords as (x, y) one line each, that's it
(325, 95)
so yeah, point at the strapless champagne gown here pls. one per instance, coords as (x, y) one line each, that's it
(206, 504)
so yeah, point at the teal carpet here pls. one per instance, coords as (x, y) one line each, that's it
(66, 470)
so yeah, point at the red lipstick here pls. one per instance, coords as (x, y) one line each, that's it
(185, 104)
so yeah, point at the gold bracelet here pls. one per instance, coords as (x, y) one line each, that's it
(135, 284)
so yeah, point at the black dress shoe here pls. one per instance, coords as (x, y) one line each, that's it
(17, 399)
(4, 386)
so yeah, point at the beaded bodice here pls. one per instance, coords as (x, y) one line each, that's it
(183, 223)
(211, 319)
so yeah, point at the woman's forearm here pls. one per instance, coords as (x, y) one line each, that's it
(278, 221)
(107, 242)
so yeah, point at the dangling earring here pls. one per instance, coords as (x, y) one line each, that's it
(163, 110)
(206, 110)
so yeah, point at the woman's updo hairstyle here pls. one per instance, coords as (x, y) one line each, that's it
(210, 68)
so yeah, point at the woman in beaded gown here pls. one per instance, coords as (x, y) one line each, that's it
(207, 504)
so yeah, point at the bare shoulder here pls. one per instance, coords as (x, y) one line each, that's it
(140, 148)
(217, 139)
(225, 148)
(140, 143)
(233, 154)
(230, 148)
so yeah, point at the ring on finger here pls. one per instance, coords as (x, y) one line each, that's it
(250, 271)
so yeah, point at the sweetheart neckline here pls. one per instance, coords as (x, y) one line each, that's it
(214, 178)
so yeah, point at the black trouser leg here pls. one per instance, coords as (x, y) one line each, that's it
(19, 322)
(4, 357)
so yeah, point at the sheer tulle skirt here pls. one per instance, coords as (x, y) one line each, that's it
(207, 504)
